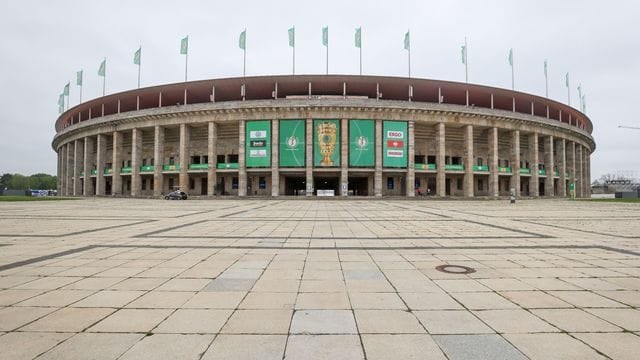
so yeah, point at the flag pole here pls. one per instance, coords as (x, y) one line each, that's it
(294, 50)
(327, 54)
(80, 93)
(513, 82)
(104, 78)
(139, 65)
(466, 61)
(186, 62)
(546, 80)
(361, 54)
(244, 55)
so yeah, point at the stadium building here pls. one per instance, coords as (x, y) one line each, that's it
(315, 135)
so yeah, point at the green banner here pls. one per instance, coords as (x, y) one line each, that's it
(258, 143)
(326, 143)
(394, 144)
(362, 143)
(292, 145)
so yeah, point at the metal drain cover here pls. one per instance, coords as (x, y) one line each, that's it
(455, 269)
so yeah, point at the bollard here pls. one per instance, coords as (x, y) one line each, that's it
(513, 195)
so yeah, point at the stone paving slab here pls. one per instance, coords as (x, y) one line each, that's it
(298, 279)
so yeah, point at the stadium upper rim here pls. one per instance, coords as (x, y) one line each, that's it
(282, 86)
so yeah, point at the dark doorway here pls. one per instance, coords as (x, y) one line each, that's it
(358, 186)
(541, 188)
(107, 187)
(447, 187)
(221, 189)
(524, 186)
(294, 185)
(431, 186)
(326, 183)
(93, 186)
(203, 185)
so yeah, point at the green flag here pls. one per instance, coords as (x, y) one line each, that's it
(358, 37)
(511, 57)
(79, 78)
(464, 54)
(566, 80)
(61, 103)
(325, 36)
(66, 90)
(102, 71)
(136, 56)
(407, 41)
(242, 41)
(292, 37)
(184, 46)
(545, 67)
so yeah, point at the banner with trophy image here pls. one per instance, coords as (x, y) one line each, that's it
(362, 143)
(258, 143)
(394, 144)
(292, 143)
(326, 143)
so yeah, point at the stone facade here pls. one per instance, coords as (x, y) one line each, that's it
(453, 150)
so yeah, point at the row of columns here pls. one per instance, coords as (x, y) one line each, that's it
(573, 158)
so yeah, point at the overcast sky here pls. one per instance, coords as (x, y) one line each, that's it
(43, 44)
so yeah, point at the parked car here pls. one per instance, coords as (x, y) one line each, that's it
(176, 195)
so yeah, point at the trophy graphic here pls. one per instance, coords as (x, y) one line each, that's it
(327, 141)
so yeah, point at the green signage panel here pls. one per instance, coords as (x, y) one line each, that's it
(326, 143)
(362, 143)
(394, 144)
(258, 143)
(292, 144)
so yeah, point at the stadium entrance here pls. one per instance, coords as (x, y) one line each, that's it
(327, 183)
(358, 186)
(294, 185)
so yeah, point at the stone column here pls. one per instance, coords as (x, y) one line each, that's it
(275, 157)
(136, 161)
(492, 140)
(411, 151)
(62, 181)
(515, 162)
(344, 157)
(468, 161)
(89, 159)
(77, 189)
(242, 167)
(533, 159)
(101, 151)
(184, 157)
(549, 188)
(562, 167)
(309, 157)
(158, 160)
(59, 172)
(580, 174)
(441, 175)
(69, 170)
(212, 156)
(377, 175)
(587, 170)
(116, 179)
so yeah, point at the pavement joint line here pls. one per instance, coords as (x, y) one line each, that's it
(77, 232)
(364, 248)
(573, 229)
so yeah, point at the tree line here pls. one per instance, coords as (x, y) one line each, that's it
(22, 182)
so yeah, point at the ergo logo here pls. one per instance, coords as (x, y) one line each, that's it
(395, 134)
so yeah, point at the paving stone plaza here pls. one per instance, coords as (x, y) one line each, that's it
(105, 278)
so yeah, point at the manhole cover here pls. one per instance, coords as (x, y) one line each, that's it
(455, 269)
